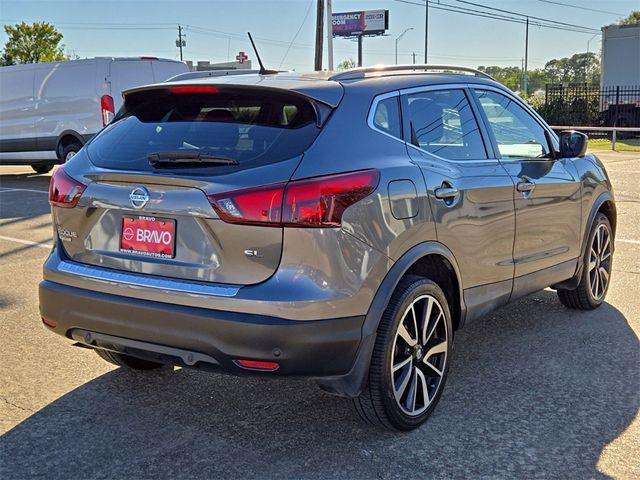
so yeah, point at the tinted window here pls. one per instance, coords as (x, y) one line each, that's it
(442, 123)
(250, 127)
(387, 117)
(517, 133)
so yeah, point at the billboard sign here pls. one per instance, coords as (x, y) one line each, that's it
(368, 22)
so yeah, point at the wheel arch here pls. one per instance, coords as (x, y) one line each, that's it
(606, 205)
(67, 137)
(418, 260)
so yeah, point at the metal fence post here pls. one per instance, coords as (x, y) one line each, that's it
(613, 139)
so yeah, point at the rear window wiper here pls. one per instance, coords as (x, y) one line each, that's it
(191, 158)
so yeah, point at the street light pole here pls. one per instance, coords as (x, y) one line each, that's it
(398, 39)
(589, 41)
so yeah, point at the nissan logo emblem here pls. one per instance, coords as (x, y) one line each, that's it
(139, 197)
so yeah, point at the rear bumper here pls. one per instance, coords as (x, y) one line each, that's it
(201, 337)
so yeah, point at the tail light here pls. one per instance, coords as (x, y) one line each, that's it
(108, 111)
(258, 365)
(314, 202)
(64, 191)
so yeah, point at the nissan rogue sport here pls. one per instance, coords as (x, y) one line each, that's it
(335, 226)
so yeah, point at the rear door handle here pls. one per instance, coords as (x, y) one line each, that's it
(525, 186)
(446, 193)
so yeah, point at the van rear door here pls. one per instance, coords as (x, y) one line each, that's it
(134, 72)
(126, 74)
(165, 69)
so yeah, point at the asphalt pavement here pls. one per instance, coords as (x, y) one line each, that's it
(535, 390)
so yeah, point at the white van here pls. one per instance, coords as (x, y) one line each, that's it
(48, 111)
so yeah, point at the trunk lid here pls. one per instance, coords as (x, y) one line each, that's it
(156, 218)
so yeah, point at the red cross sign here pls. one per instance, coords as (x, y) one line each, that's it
(242, 57)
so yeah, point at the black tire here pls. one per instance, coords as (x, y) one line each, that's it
(127, 361)
(583, 297)
(69, 151)
(42, 168)
(377, 404)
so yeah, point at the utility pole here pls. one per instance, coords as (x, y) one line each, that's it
(317, 65)
(180, 42)
(526, 60)
(414, 57)
(426, 29)
(330, 34)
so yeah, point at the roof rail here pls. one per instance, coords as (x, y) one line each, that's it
(361, 72)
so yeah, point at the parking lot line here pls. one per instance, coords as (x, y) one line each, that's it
(3, 190)
(26, 242)
(623, 240)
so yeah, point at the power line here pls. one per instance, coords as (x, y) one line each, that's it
(304, 20)
(521, 19)
(524, 15)
(579, 7)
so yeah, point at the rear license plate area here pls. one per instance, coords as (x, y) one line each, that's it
(148, 236)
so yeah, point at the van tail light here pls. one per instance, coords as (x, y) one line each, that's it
(108, 111)
(313, 202)
(64, 191)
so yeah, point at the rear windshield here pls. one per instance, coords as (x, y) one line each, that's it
(251, 128)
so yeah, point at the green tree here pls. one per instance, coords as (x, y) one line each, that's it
(6, 59)
(633, 18)
(579, 68)
(346, 64)
(510, 77)
(38, 42)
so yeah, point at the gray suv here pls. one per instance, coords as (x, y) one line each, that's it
(335, 226)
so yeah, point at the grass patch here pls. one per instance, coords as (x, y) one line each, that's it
(625, 145)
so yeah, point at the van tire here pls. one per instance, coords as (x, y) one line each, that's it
(42, 168)
(69, 151)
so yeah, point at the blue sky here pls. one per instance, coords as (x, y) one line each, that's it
(216, 29)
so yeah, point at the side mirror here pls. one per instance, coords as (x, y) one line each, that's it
(573, 144)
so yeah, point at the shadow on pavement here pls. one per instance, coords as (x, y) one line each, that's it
(535, 390)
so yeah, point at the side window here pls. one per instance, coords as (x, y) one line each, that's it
(387, 117)
(443, 124)
(517, 133)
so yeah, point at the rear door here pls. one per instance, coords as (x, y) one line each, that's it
(153, 204)
(126, 74)
(547, 193)
(471, 194)
(165, 69)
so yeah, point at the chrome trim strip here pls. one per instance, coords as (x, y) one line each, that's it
(138, 280)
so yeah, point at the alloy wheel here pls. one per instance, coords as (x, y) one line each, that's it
(600, 262)
(419, 355)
